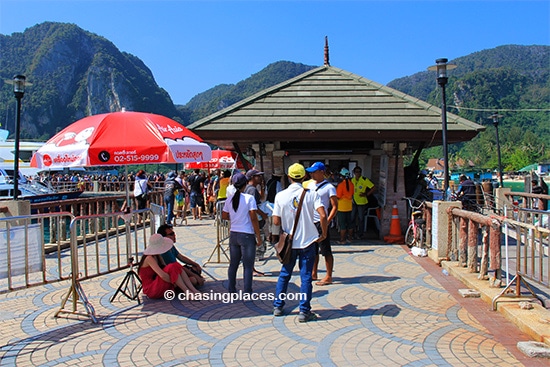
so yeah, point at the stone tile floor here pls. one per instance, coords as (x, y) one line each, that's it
(385, 308)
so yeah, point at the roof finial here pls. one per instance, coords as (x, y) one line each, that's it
(327, 63)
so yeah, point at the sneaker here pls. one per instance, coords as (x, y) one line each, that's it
(277, 311)
(305, 317)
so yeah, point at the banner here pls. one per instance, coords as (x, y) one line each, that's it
(35, 255)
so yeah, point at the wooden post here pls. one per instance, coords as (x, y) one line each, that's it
(463, 251)
(472, 246)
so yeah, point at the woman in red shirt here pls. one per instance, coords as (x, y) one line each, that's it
(156, 277)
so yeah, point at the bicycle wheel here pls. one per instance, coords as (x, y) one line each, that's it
(409, 236)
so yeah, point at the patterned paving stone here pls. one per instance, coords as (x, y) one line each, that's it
(383, 309)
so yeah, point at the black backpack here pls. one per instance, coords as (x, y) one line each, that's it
(271, 189)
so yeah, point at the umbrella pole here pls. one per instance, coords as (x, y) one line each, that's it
(128, 205)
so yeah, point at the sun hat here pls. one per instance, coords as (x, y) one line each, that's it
(253, 172)
(239, 180)
(158, 245)
(317, 166)
(278, 171)
(296, 171)
(344, 172)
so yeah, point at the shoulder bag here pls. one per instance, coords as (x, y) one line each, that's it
(284, 246)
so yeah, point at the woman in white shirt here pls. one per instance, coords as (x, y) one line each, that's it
(244, 235)
(141, 189)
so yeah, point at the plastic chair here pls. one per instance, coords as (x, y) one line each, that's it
(371, 213)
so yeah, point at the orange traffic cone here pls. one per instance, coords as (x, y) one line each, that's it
(395, 235)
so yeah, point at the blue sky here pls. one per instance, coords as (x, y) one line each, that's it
(191, 46)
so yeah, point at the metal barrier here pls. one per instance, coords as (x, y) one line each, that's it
(222, 230)
(532, 261)
(466, 226)
(526, 243)
(24, 259)
(114, 249)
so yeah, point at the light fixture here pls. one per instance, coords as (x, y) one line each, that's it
(263, 152)
(441, 68)
(250, 152)
(19, 92)
(495, 116)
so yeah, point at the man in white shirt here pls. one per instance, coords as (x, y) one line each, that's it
(305, 237)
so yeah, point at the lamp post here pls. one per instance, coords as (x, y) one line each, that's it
(441, 68)
(19, 91)
(495, 116)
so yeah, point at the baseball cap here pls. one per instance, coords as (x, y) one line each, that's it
(296, 171)
(253, 172)
(317, 166)
(238, 180)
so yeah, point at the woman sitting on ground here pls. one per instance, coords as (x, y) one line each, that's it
(157, 277)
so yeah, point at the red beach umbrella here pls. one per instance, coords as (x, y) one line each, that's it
(221, 159)
(121, 138)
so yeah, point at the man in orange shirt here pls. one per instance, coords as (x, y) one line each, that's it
(344, 192)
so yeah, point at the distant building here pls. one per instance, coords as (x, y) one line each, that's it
(435, 165)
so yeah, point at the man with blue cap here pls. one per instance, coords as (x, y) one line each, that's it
(327, 192)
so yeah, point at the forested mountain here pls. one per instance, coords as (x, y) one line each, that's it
(73, 73)
(511, 80)
(225, 95)
(76, 73)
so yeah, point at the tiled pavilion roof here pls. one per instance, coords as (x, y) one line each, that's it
(330, 105)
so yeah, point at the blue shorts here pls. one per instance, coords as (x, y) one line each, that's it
(193, 200)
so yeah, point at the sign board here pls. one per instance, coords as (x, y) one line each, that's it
(33, 257)
(382, 180)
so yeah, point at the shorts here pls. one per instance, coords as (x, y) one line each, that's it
(324, 246)
(194, 199)
(344, 220)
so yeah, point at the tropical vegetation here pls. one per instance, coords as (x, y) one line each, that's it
(76, 73)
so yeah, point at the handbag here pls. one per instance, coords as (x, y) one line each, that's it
(284, 246)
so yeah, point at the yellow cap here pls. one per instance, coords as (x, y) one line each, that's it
(296, 171)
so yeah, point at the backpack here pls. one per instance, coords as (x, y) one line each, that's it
(271, 190)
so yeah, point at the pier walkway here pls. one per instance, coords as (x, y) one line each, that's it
(386, 308)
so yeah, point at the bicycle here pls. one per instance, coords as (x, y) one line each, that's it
(417, 225)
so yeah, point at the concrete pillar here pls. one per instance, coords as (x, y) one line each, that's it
(440, 225)
(501, 200)
(14, 208)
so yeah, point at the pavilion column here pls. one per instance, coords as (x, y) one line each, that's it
(393, 187)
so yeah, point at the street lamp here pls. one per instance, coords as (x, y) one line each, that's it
(19, 91)
(495, 116)
(441, 68)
